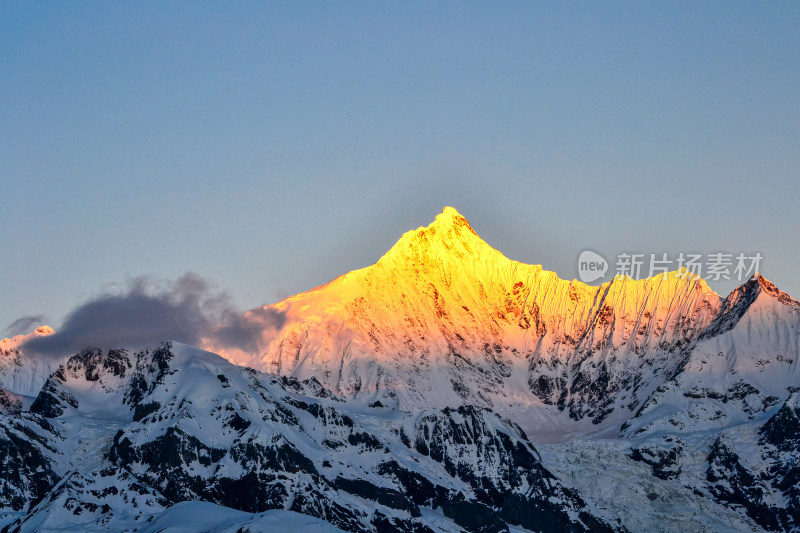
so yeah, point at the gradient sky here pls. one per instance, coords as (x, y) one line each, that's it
(270, 147)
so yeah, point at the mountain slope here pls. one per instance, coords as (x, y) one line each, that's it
(742, 366)
(115, 439)
(408, 395)
(24, 373)
(443, 319)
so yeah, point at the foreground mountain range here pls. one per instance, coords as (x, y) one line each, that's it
(445, 388)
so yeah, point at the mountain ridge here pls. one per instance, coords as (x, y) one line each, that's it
(443, 319)
(443, 388)
(442, 298)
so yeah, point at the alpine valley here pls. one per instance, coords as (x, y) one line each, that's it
(444, 388)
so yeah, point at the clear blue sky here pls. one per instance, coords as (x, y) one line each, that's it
(270, 147)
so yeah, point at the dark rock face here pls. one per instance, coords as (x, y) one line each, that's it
(384, 496)
(588, 388)
(253, 442)
(733, 308)
(150, 369)
(503, 469)
(271, 473)
(730, 481)
(592, 395)
(167, 451)
(662, 460)
(452, 436)
(783, 432)
(537, 515)
(52, 399)
(9, 403)
(474, 517)
(416, 487)
(27, 473)
(143, 410)
(771, 496)
(386, 524)
(783, 429)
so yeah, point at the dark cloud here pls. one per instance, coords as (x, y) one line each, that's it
(24, 325)
(245, 331)
(148, 312)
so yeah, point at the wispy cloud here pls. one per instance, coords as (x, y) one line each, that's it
(149, 311)
(245, 331)
(23, 325)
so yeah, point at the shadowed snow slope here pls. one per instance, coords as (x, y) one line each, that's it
(114, 439)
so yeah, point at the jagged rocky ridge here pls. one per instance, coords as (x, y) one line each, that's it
(443, 339)
(443, 319)
(114, 439)
(759, 469)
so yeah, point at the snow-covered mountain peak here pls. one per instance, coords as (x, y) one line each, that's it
(10, 344)
(22, 372)
(757, 296)
(444, 319)
(447, 220)
(448, 217)
(410, 394)
(44, 330)
(764, 286)
(758, 285)
(448, 239)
